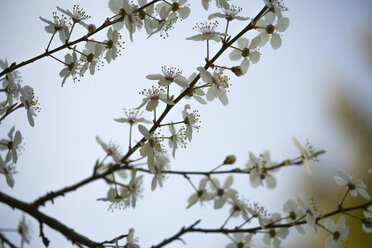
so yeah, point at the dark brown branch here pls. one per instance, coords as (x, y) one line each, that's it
(51, 222)
(3, 240)
(255, 229)
(177, 235)
(107, 23)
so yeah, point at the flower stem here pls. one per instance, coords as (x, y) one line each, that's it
(343, 199)
(58, 60)
(50, 41)
(172, 123)
(130, 136)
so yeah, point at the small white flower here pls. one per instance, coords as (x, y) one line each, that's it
(8, 171)
(310, 211)
(131, 241)
(207, 32)
(113, 45)
(267, 30)
(273, 235)
(367, 221)
(307, 154)
(230, 13)
(246, 51)
(195, 92)
(92, 53)
(132, 117)
(59, 25)
(29, 103)
(70, 68)
(258, 173)
(276, 7)
(240, 241)
(125, 9)
(150, 24)
(339, 232)
(238, 208)
(177, 7)
(176, 139)
(78, 15)
(111, 150)
(191, 121)
(201, 194)
(152, 97)
(24, 230)
(218, 84)
(222, 193)
(133, 190)
(151, 147)
(355, 187)
(11, 83)
(160, 164)
(13, 145)
(170, 74)
(295, 213)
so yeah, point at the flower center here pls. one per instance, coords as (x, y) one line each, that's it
(336, 235)
(245, 52)
(292, 215)
(270, 29)
(351, 186)
(272, 233)
(175, 6)
(220, 192)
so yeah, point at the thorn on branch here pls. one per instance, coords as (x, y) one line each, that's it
(42, 235)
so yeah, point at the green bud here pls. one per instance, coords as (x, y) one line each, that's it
(230, 159)
(237, 70)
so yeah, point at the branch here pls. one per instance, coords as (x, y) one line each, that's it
(50, 196)
(186, 91)
(3, 240)
(106, 24)
(255, 229)
(51, 222)
(177, 235)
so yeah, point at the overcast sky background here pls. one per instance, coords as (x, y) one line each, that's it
(288, 93)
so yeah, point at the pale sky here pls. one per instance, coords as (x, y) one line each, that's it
(288, 93)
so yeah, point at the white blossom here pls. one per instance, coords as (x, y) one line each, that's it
(71, 67)
(92, 53)
(8, 171)
(194, 92)
(160, 164)
(151, 147)
(310, 211)
(170, 74)
(131, 241)
(355, 186)
(111, 150)
(258, 172)
(125, 10)
(77, 15)
(201, 194)
(295, 213)
(218, 84)
(246, 51)
(134, 189)
(207, 32)
(222, 194)
(230, 13)
(24, 230)
(191, 121)
(152, 97)
(339, 232)
(11, 83)
(275, 236)
(267, 29)
(29, 103)
(367, 221)
(307, 154)
(176, 139)
(113, 45)
(13, 145)
(58, 25)
(177, 8)
(132, 117)
(240, 240)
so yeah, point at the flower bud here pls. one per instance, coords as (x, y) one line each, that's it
(91, 28)
(230, 159)
(237, 70)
